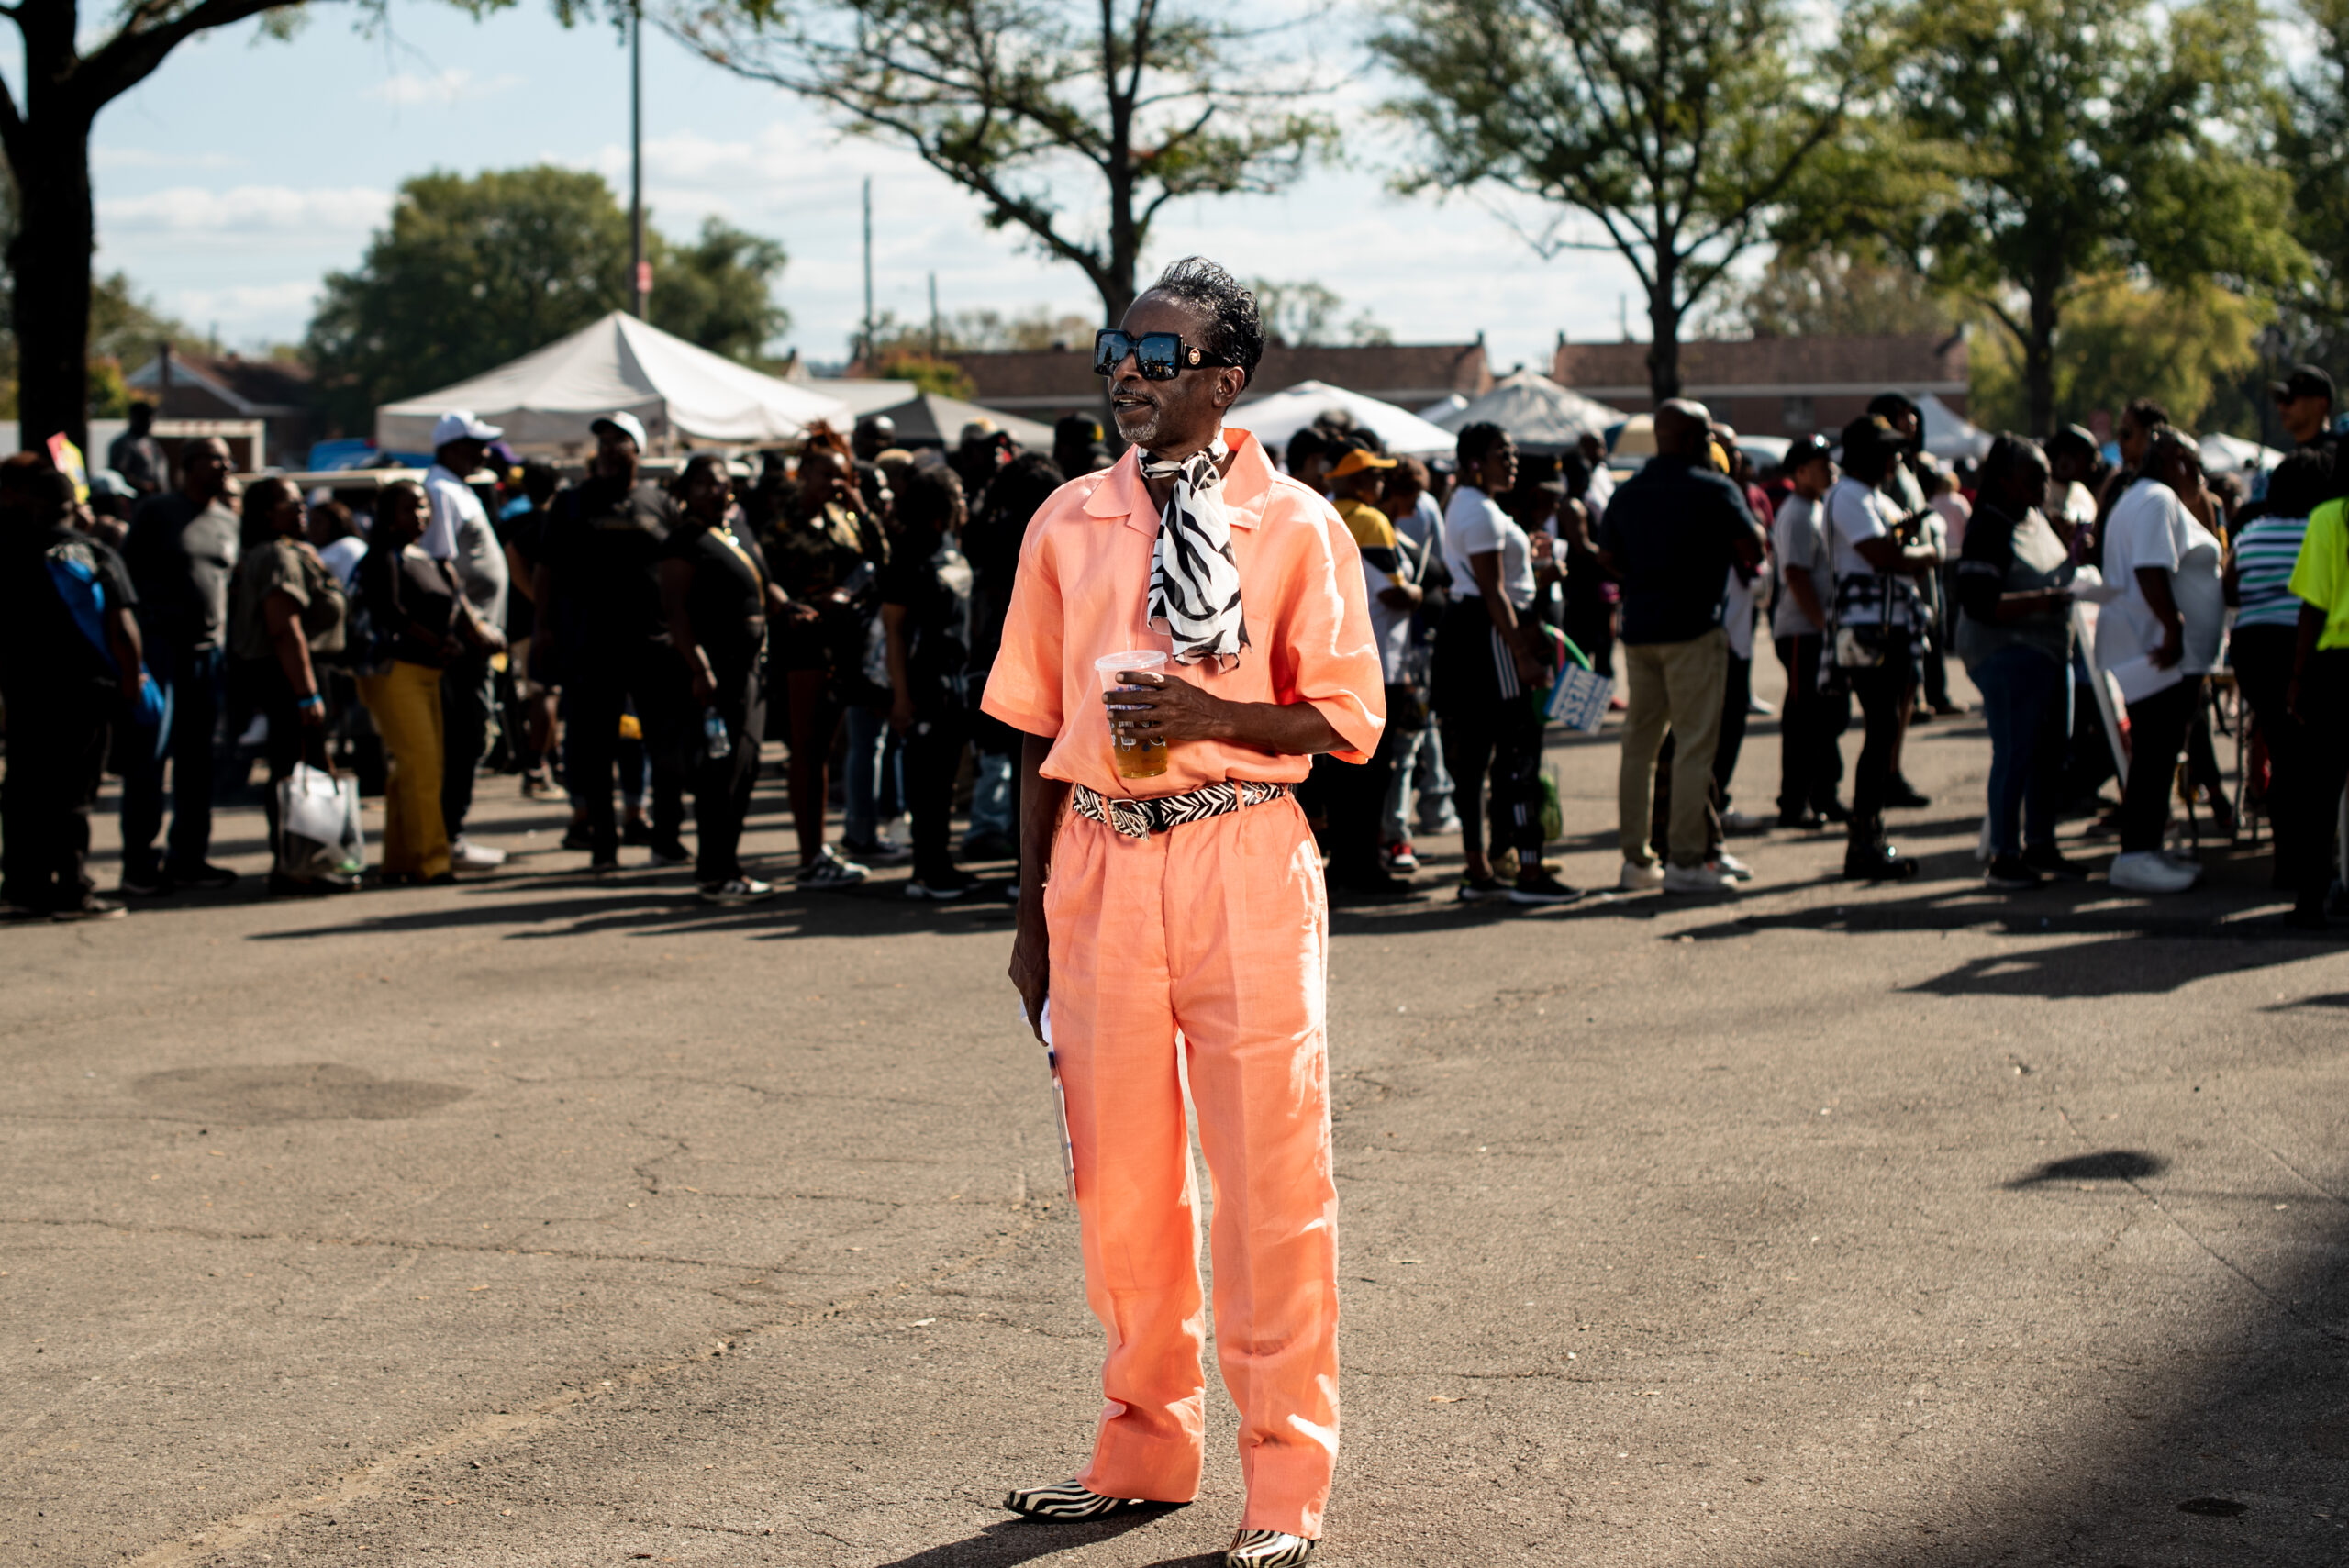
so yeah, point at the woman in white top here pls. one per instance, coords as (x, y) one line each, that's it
(1488, 659)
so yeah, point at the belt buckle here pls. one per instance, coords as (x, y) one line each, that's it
(1130, 817)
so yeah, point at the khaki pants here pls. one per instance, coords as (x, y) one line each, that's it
(1675, 686)
(406, 703)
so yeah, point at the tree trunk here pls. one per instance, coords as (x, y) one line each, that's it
(49, 261)
(1664, 340)
(2039, 363)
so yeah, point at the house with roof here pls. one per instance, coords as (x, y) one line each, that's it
(1776, 386)
(211, 387)
(1045, 384)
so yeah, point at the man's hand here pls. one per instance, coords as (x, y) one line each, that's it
(1531, 670)
(1031, 958)
(1400, 596)
(1163, 708)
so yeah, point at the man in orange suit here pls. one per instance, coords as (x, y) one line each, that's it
(1186, 911)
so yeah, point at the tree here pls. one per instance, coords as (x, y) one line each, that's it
(2120, 340)
(2025, 153)
(1150, 103)
(1677, 126)
(472, 273)
(1305, 315)
(1825, 292)
(124, 330)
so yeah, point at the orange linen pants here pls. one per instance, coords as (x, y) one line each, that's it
(1219, 928)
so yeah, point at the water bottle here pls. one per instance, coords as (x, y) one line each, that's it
(715, 740)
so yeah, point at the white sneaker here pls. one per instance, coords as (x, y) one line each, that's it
(829, 870)
(1637, 877)
(737, 890)
(2148, 871)
(1706, 878)
(466, 855)
(1748, 822)
(1730, 865)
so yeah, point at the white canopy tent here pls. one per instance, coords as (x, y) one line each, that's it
(2232, 454)
(547, 399)
(1274, 418)
(1947, 435)
(1536, 411)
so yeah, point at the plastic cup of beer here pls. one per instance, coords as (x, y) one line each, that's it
(1133, 756)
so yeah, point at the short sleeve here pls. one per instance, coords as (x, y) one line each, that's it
(2155, 532)
(2323, 560)
(440, 540)
(1476, 533)
(1324, 653)
(282, 573)
(1024, 686)
(1853, 517)
(114, 577)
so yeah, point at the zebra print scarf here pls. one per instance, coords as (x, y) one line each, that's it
(1194, 581)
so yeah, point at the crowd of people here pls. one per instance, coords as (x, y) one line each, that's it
(632, 638)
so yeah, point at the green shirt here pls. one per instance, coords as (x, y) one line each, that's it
(2321, 576)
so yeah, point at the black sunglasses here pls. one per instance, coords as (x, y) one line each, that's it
(1159, 356)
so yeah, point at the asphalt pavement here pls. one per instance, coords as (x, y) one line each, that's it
(550, 1221)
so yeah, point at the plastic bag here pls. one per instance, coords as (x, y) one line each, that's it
(318, 833)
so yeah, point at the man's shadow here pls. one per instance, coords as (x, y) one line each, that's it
(1024, 1541)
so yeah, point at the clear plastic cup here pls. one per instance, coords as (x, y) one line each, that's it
(1133, 758)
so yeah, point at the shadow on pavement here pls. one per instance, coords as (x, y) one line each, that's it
(1024, 1541)
(2105, 1165)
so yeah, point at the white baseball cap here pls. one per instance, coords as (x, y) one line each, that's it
(459, 425)
(627, 423)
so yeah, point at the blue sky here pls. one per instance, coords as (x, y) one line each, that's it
(245, 169)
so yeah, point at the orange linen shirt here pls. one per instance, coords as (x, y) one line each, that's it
(1083, 588)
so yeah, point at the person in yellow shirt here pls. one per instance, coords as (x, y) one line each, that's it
(2319, 698)
(1355, 797)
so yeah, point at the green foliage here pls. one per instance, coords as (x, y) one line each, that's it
(473, 273)
(2026, 151)
(1825, 292)
(1676, 127)
(1149, 104)
(944, 377)
(2119, 341)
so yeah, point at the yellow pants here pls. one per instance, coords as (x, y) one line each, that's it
(406, 703)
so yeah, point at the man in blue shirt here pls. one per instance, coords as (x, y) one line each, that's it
(1670, 536)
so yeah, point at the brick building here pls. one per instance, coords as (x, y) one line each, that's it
(1776, 386)
(1046, 383)
(229, 386)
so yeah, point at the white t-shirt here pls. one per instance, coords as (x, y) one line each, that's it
(459, 533)
(1474, 524)
(1602, 486)
(1799, 542)
(1956, 511)
(1856, 512)
(343, 558)
(1737, 614)
(2151, 526)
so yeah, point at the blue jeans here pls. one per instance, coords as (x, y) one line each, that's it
(995, 774)
(192, 678)
(873, 785)
(2027, 700)
(1418, 770)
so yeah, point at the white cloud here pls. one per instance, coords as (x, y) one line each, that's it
(329, 213)
(249, 311)
(454, 86)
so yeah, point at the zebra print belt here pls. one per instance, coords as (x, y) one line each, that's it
(1141, 818)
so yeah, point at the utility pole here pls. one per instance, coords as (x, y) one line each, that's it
(867, 355)
(640, 269)
(934, 336)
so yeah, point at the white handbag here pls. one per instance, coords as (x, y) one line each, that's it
(318, 833)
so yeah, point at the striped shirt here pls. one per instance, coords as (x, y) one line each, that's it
(2264, 551)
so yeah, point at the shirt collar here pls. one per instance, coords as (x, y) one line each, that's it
(1246, 487)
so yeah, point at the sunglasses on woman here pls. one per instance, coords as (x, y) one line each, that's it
(1159, 356)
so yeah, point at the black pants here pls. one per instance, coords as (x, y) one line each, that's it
(1489, 725)
(1810, 765)
(57, 753)
(1355, 799)
(1880, 692)
(2157, 727)
(1933, 670)
(290, 741)
(466, 701)
(2315, 801)
(933, 756)
(722, 785)
(194, 678)
(597, 696)
(2262, 656)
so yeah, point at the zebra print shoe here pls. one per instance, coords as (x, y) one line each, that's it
(1069, 1501)
(1267, 1549)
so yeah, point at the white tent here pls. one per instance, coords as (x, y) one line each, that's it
(548, 398)
(1947, 435)
(1536, 411)
(1449, 402)
(2232, 454)
(1273, 419)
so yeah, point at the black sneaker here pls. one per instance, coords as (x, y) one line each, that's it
(1833, 811)
(671, 853)
(145, 882)
(2011, 873)
(1879, 863)
(578, 836)
(1900, 792)
(636, 832)
(1543, 888)
(2049, 861)
(1801, 821)
(204, 873)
